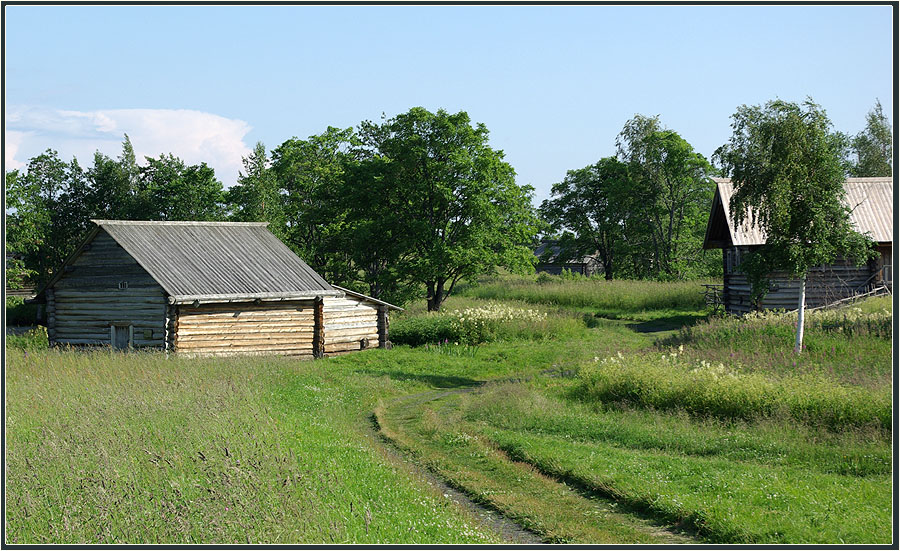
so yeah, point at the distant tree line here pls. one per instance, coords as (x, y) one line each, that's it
(408, 206)
(644, 211)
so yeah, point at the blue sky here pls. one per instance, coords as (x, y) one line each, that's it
(553, 84)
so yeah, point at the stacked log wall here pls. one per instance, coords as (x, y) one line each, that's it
(87, 299)
(824, 285)
(350, 324)
(278, 328)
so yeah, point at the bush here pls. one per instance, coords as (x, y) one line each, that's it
(33, 339)
(701, 388)
(476, 325)
(424, 329)
(19, 313)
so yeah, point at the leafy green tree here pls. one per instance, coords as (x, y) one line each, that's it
(673, 185)
(785, 163)
(309, 174)
(256, 197)
(113, 186)
(46, 220)
(171, 190)
(874, 146)
(456, 207)
(593, 203)
(375, 240)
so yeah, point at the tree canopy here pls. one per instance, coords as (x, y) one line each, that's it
(785, 163)
(455, 202)
(874, 146)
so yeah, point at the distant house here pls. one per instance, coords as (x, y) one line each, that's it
(549, 261)
(871, 201)
(204, 288)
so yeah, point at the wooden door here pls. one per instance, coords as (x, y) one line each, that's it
(121, 337)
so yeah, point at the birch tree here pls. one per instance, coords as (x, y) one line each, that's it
(784, 160)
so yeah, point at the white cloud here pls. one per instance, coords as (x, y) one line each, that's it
(12, 144)
(195, 136)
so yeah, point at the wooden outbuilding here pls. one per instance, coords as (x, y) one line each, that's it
(204, 289)
(871, 201)
(550, 260)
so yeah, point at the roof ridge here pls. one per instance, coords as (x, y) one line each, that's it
(173, 223)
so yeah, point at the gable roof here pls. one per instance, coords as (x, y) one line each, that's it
(871, 203)
(367, 298)
(214, 261)
(549, 251)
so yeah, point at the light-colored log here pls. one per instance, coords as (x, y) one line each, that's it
(262, 329)
(207, 340)
(248, 317)
(350, 325)
(362, 331)
(351, 338)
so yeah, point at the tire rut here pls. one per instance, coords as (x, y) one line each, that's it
(491, 517)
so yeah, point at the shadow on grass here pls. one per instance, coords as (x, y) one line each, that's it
(433, 380)
(665, 323)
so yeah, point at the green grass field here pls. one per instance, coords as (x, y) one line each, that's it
(589, 418)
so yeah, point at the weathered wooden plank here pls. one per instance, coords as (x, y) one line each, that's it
(296, 354)
(103, 313)
(247, 307)
(280, 318)
(113, 299)
(244, 329)
(372, 337)
(248, 340)
(349, 346)
(112, 294)
(234, 347)
(373, 324)
(363, 331)
(362, 314)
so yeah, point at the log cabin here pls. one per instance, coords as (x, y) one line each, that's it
(871, 201)
(204, 289)
(549, 259)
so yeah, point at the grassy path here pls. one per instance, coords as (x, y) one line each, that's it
(426, 426)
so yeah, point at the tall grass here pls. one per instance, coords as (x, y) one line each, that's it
(622, 296)
(852, 344)
(670, 382)
(486, 322)
(110, 448)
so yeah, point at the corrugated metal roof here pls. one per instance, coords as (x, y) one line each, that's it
(229, 259)
(871, 201)
(552, 249)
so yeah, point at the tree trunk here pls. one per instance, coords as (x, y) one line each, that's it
(436, 297)
(801, 306)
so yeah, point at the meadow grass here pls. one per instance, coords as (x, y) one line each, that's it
(737, 482)
(104, 448)
(33, 339)
(851, 344)
(482, 322)
(438, 438)
(611, 298)
(670, 382)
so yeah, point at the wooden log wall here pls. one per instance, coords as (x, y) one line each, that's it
(283, 328)
(350, 324)
(105, 286)
(824, 285)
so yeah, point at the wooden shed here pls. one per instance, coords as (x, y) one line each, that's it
(871, 201)
(549, 254)
(205, 289)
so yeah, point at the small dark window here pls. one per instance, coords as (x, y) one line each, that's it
(123, 285)
(363, 343)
